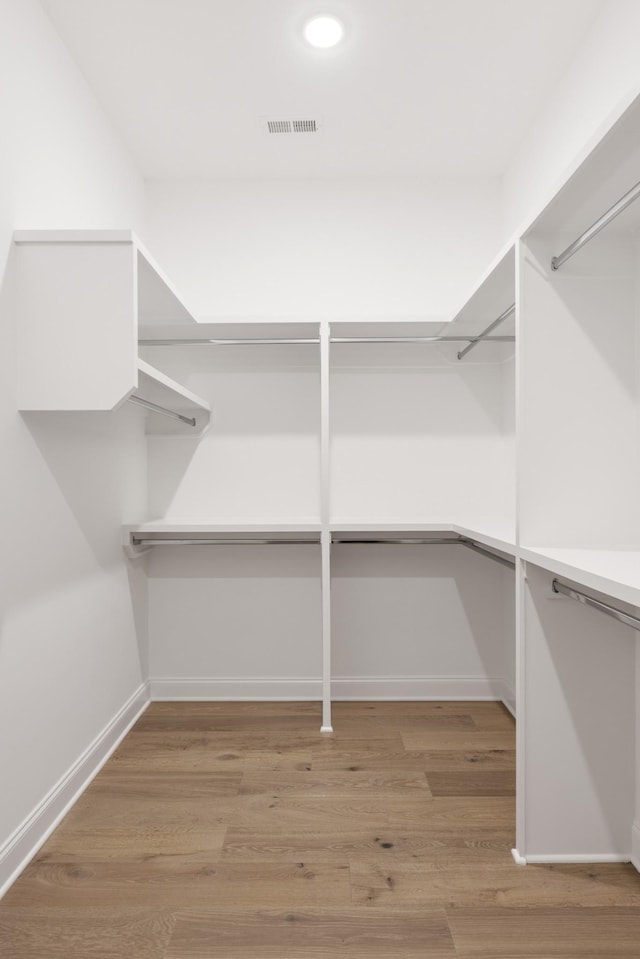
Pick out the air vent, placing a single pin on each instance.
(279, 126)
(304, 126)
(292, 126)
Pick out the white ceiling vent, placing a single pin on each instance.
(292, 126)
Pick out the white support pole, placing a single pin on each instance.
(325, 479)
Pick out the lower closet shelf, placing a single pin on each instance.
(615, 572)
(147, 535)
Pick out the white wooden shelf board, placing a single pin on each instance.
(496, 534)
(229, 531)
(615, 572)
(157, 387)
(387, 328)
(161, 526)
(491, 296)
(608, 168)
(499, 536)
(74, 236)
(232, 331)
(158, 300)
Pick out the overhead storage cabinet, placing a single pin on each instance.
(81, 298)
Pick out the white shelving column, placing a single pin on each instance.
(325, 514)
(579, 469)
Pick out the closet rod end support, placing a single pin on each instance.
(555, 266)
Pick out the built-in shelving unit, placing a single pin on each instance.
(579, 512)
(83, 297)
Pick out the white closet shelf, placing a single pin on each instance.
(492, 294)
(160, 532)
(497, 536)
(605, 170)
(230, 526)
(158, 388)
(615, 572)
(384, 329)
(223, 333)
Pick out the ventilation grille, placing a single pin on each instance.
(292, 126)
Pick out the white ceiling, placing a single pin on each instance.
(420, 87)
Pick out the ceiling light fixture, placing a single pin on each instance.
(323, 32)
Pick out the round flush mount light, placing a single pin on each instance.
(323, 32)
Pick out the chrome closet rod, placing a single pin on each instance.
(471, 544)
(213, 342)
(605, 219)
(414, 339)
(146, 541)
(613, 611)
(139, 401)
(484, 335)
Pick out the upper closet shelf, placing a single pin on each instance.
(81, 298)
(239, 333)
(488, 312)
(173, 407)
(603, 174)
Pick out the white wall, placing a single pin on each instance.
(71, 641)
(352, 248)
(605, 72)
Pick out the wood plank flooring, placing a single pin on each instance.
(238, 831)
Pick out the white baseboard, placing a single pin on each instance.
(343, 688)
(586, 857)
(21, 847)
(635, 845)
(233, 690)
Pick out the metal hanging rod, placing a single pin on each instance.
(485, 333)
(176, 341)
(139, 401)
(148, 541)
(414, 339)
(471, 544)
(593, 230)
(613, 611)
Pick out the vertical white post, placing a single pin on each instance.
(325, 513)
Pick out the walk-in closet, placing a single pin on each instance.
(321, 571)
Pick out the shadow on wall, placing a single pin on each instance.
(431, 612)
(442, 400)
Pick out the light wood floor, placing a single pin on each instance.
(238, 831)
